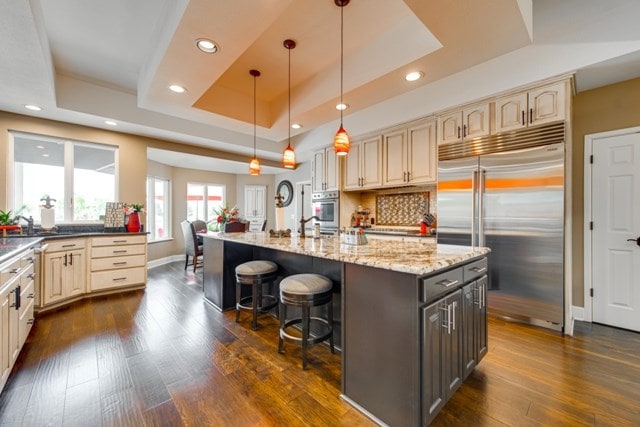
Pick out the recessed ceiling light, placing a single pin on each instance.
(40, 147)
(33, 107)
(110, 123)
(413, 76)
(45, 155)
(342, 106)
(296, 126)
(177, 89)
(207, 46)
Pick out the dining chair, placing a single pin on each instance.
(191, 246)
(201, 227)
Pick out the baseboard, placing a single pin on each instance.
(163, 261)
(577, 313)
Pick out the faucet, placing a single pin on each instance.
(303, 222)
(29, 224)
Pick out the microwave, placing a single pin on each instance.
(326, 207)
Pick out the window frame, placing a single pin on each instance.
(205, 195)
(151, 207)
(68, 168)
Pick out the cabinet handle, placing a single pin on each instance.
(453, 314)
(479, 269)
(17, 298)
(14, 271)
(123, 251)
(464, 131)
(458, 132)
(31, 296)
(530, 115)
(69, 245)
(120, 263)
(65, 260)
(120, 241)
(408, 176)
(447, 323)
(523, 123)
(119, 279)
(31, 276)
(70, 259)
(31, 321)
(447, 282)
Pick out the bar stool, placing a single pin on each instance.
(305, 291)
(255, 274)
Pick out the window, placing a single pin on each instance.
(82, 173)
(158, 208)
(203, 199)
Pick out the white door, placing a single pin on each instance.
(255, 202)
(616, 228)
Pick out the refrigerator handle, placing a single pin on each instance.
(481, 191)
(474, 199)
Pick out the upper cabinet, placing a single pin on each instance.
(409, 155)
(533, 107)
(470, 122)
(363, 165)
(325, 171)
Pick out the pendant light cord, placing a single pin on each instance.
(289, 84)
(341, 59)
(254, 116)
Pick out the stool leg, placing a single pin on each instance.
(282, 310)
(305, 333)
(330, 319)
(254, 304)
(238, 296)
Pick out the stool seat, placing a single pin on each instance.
(259, 267)
(305, 284)
(255, 274)
(306, 291)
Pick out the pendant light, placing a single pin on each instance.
(289, 156)
(254, 166)
(341, 141)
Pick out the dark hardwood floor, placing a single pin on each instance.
(164, 357)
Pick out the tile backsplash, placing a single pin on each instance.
(401, 209)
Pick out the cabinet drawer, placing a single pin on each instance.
(113, 263)
(26, 321)
(474, 270)
(9, 270)
(441, 284)
(110, 251)
(110, 279)
(26, 297)
(29, 257)
(118, 240)
(65, 245)
(27, 275)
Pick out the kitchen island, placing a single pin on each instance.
(412, 315)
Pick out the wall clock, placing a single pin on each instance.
(285, 189)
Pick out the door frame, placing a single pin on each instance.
(589, 140)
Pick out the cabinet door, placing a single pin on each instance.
(547, 104)
(75, 274)
(332, 177)
(433, 389)
(6, 361)
(352, 168)
(475, 121)
(394, 148)
(450, 128)
(371, 162)
(421, 153)
(511, 112)
(468, 328)
(452, 344)
(480, 321)
(53, 277)
(317, 169)
(255, 200)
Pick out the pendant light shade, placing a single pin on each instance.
(289, 156)
(254, 165)
(341, 142)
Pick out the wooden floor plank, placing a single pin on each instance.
(163, 356)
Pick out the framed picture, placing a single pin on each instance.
(114, 216)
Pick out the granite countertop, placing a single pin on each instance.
(418, 258)
(10, 247)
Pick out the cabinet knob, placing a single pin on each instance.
(31, 321)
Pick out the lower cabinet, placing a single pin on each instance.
(64, 270)
(474, 318)
(118, 261)
(441, 353)
(16, 308)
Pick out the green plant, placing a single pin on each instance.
(8, 218)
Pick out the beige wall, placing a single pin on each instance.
(607, 108)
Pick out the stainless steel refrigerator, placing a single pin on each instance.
(512, 202)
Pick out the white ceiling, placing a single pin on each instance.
(87, 61)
